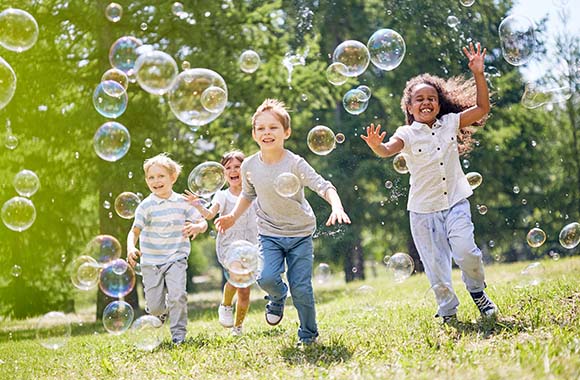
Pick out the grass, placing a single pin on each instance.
(372, 330)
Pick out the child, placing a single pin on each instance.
(439, 114)
(285, 225)
(244, 229)
(159, 220)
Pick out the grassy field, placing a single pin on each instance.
(372, 330)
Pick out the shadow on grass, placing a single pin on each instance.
(488, 327)
(319, 354)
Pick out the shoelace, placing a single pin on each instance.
(483, 303)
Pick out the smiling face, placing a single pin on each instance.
(160, 181)
(269, 132)
(424, 104)
(233, 172)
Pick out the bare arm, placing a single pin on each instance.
(374, 140)
(132, 252)
(482, 106)
(191, 229)
(195, 201)
(337, 214)
(224, 222)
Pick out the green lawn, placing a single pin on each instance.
(372, 330)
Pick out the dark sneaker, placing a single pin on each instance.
(448, 319)
(303, 343)
(178, 341)
(274, 312)
(486, 306)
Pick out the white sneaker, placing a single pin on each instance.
(226, 315)
(237, 331)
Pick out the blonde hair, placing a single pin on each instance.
(164, 161)
(278, 108)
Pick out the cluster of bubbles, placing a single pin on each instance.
(321, 140)
(400, 266)
(287, 184)
(356, 100)
(206, 179)
(569, 236)
(18, 213)
(243, 263)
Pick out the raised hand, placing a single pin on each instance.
(476, 58)
(191, 198)
(374, 136)
(224, 222)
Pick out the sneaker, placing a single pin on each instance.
(274, 313)
(303, 343)
(448, 319)
(486, 306)
(178, 341)
(226, 315)
(162, 318)
(237, 331)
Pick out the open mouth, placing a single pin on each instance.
(234, 178)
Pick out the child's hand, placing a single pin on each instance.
(476, 58)
(337, 216)
(373, 137)
(133, 255)
(192, 199)
(224, 222)
(190, 230)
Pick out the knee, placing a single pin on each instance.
(302, 293)
(470, 258)
(175, 299)
(268, 282)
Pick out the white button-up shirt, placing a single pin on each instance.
(437, 180)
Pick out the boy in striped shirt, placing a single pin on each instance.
(163, 248)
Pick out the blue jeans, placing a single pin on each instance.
(298, 252)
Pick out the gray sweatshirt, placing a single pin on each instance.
(278, 215)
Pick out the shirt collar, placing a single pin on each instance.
(172, 198)
(417, 125)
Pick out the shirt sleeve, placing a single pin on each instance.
(402, 134)
(248, 190)
(451, 120)
(140, 217)
(311, 179)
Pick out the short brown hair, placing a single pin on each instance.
(233, 155)
(278, 108)
(164, 161)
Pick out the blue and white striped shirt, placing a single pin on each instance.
(161, 222)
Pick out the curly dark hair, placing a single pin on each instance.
(455, 95)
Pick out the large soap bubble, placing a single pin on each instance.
(146, 333)
(516, 34)
(18, 214)
(18, 30)
(336, 73)
(126, 203)
(355, 101)
(186, 93)
(287, 185)
(26, 183)
(321, 140)
(7, 83)
(387, 49)
(84, 272)
(536, 96)
(401, 266)
(206, 179)
(53, 330)
(117, 279)
(104, 248)
(110, 99)
(112, 141)
(117, 317)
(123, 53)
(570, 235)
(249, 61)
(155, 71)
(243, 263)
(354, 55)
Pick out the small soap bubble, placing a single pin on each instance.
(400, 164)
(16, 270)
(475, 179)
(340, 138)
(287, 185)
(516, 189)
(117, 278)
(10, 141)
(465, 163)
(386, 49)
(354, 55)
(536, 237)
(26, 183)
(452, 21)
(388, 184)
(114, 12)
(118, 76)
(355, 101)
(570, 235)
(103, 248)
(322, 273)
(155, 71)
(214, 99)
(111, 141)
(84, 272)
(336, 73)
(7, 84)
(516, 33)
(117, 317)
(467, 3)
(110, 99)
(366, 90)
(146, 333)
(123, 53)
(18, 30)
(126, 203)
(401, 266)
(18, 214)
(243, 263)
(249, 61)
(482, 209)
(148, 143)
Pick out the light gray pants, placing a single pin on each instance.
(440, 236)
(165, 293)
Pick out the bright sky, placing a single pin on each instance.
(536, 10)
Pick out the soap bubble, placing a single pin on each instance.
(354, 55)
(322, 273)
(336, 73)
(16, 270)
(355, 101)
(443, 292)
(104, 248)
(155, 71)
(214, 99)
(532, 274)
(117, 317)
(287, 185)
(243, 263)
(84, 272)
(340, 138)
(10, 141)
(206, 179)
(321, 140)
(536, 237)
(26, 183)
(387, 49)
(249, 61)
(53, 330)
(110, 99)
(570, 235)
(400, 164)
(126, 203)
(118, 76)
(482, 209)
(18, 30)
(114, 12)
(366, 90)
(536, 96)
(18, 214)
(117, 279)
(467, 3)
(177, 10)
(7, 83)
(186, 92)
(474, 179)
(123, 53)
(146, 333)
(112, 141)
(452, 21)
(517, 39)
(401, 266)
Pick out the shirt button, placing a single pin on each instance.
(441, 163)
(433, 133)
(445, 193)
(438, 148)
(443, 178)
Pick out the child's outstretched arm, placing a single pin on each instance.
(374, 140)
(337, 214)
(224, 222)
(195, 201)
(476, 65)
